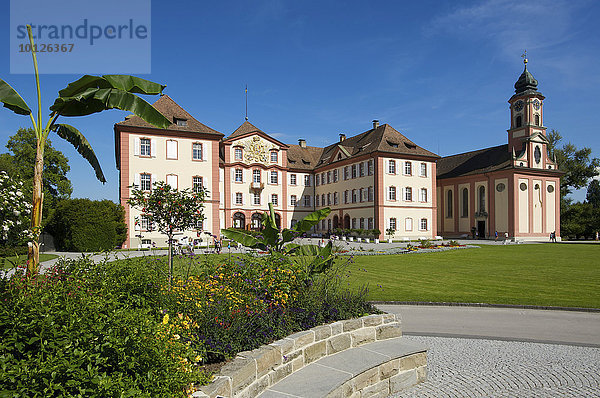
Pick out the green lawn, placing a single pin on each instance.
(7, 262)
(545, 274)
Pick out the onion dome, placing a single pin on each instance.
(526, 82)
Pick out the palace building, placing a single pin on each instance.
(377, 179)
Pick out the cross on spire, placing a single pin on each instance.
(524, 56)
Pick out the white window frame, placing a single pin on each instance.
(238, 153)
(335, 175)
(293, 179)
(335, 198)
(407, 168)
(256, 198)
(146, 178)
(307, 180)
(172, 149)
(239, 198)
(423, 172)
(425, 226)
(256, 175)
(393, 225)
(293, 200)
(145, 147)
(391, 167)
(274, 157)
(274, 177)
(238, 173)
(145, 223)
(408, 194)
(370, 168)
(424, 195)
(197, 153)
(195, 184)
(392, 193)
(306, 200)
(275, 199)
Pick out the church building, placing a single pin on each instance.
(512, 188)
(374, 180)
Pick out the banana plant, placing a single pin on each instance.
(273, 241)
(89, 94)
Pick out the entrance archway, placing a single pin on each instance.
(239, 220)
(347, 221)
(256, 222)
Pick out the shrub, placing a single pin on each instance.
(84, 225)
(92, 330)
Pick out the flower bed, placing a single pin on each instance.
(117, 327)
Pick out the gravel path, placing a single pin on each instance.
(490, 368)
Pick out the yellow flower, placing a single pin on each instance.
(165, 319)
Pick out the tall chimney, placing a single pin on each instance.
(375, 124)
(342, 137)
(302, 142)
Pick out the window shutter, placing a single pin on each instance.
(153, 148)
(153, 179)
(233, 198)
(137, 226)
(136, 146)
(204, 150)
(279, 178)
(136, 180)
(232, 175)
(403, 194)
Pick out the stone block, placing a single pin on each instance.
(338, 343)
(388, 331)
(343, 391)
(285, 345)
(267, 358)
(352, 324)
(421, 374)
(302, 339)
(242, 372)
(336, 328)
(413, 361)
(221, 385)
(281, 372)
(256, 388)
(199, 394)
(291, 356)
(315, 351)
(389, 318)
(402, 381)
(377, 390)
(322, 332)
(373, 320)
(365, 379)
(297, 363)
(362, 336)
(389, 369)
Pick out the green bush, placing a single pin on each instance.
(11, 251)
(84, 225)
(90, 330)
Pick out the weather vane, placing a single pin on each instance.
(524, 56)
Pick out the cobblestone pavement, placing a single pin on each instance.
(491, 368)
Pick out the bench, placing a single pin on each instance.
(341, 359)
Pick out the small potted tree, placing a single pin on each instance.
(390, 233)
(375, 232)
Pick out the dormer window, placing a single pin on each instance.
(180, 122)
(393, 144)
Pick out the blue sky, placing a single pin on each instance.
(439, 72)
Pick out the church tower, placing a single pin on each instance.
(527, 135)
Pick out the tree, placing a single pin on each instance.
(593, 194)
(169, 210)
(20, 162)
(85, 225)
(576, 163)
(89, 94)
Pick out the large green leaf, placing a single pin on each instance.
(244, 238)
(82, 145)
(12, 100)
(130, 84)
(270, 230)
(323, 260)
(95, 100)
(311, 220)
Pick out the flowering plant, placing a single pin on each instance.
(14, 210)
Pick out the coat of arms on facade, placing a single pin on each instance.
(256, 151)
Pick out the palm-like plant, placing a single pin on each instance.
(89, 94)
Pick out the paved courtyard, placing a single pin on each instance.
(459, 367)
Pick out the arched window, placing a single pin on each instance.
(239, 221)
(336, 222)
(465, 203)
(519, 121)
(481, 198)
(537, 120)
(449, 205)
(347, 221)
(256, 221)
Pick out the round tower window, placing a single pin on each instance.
(500, 187)
(537, 186)
(523, 186)
(550, 188)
